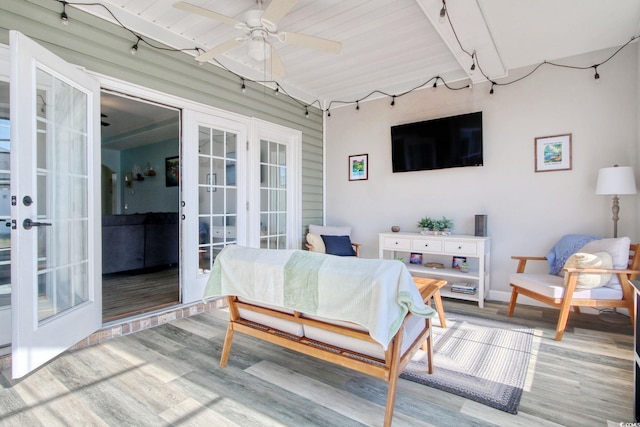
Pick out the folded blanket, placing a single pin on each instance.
(564, 248)
(376, 294)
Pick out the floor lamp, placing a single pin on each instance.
(615, 181)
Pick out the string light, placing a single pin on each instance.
(134, 48)
(306, 111)
(443, 12)
(444, 16)
(393, 100)
(473, 63)
(64, 18)
(243, 88)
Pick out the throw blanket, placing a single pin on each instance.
(376, 294)
(566, 246)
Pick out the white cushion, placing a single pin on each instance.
(413, 327)
(316, 242)
(585, 260)
(617, 248)
(553, 286)
(287, 326)
(329, 231)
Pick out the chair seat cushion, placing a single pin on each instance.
(553, 286)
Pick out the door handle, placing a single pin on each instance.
(27, 224)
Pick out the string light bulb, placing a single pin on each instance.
(473, 63)
(134, 48)
(435, 84)
(443, 12)
(393, 100)
(277, 90)
(306, 112)
(357, 105)
(328, 113)
(492, 85)
(243, 88)
(596, 75)
(64, 18)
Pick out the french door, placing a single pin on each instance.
(214, 208)
(247, 192)
(56, 289)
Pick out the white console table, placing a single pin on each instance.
(442, 249)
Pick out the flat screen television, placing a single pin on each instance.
(447, 142)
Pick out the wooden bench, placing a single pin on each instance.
(387, 365)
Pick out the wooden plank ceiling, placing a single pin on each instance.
(392, 46)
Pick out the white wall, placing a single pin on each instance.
(527, 211)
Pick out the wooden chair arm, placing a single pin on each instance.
(522, 261)
(600, 271)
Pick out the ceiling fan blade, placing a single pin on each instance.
(311, 42)
(218, 50)
(277, 67)
(277, 10)
(188, 7)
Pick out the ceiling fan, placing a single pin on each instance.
(259, 32)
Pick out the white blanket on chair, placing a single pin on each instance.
(376, 294)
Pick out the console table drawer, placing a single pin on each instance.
(462, 248)
(397, 244)
(429, 245)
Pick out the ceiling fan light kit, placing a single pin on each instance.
(259, 29)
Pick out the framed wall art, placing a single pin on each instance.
(358, 167)
(172, 171)
(553, 153)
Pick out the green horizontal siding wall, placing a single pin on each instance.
(103, 47)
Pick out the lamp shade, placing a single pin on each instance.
(616, 180)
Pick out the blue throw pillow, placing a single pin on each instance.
(338, 245)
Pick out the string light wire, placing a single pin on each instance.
(279, 89)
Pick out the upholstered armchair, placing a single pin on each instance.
(596, 275)
(331, 240)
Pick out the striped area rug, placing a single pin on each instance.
(479, 359)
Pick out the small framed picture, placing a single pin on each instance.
(553, 153)
(358, 167)
(172, 171)
(457, 260)
(415, 258)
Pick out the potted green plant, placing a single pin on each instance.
(464, 267)
(426, 224)
(443, 225)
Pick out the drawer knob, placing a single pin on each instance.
(459, 247)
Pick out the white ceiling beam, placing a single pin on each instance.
(472, 32)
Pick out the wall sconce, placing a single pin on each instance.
(128, 179)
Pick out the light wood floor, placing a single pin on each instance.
(131, 293)
(169, 375)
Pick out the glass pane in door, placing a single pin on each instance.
(61, 196)
(5, 198)
(273, 195)
(217, 193)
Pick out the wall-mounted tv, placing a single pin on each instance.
(447, 142)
